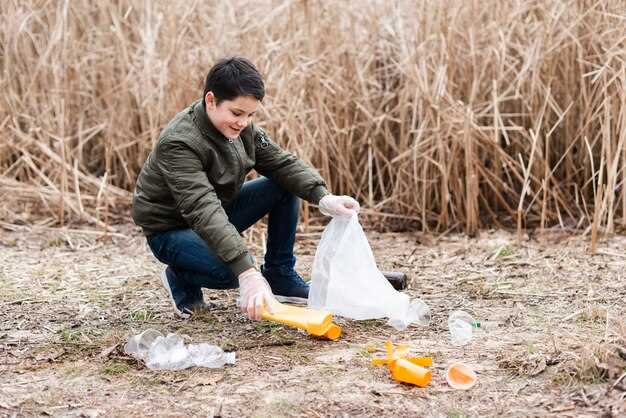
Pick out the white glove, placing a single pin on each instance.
(255, 293)
(343, 206)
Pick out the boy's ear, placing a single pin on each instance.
(209, 100)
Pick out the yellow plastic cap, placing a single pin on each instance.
(461, 376)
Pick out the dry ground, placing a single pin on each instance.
(552, 341)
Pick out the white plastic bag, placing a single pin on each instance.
(346, 281)
(171, 353)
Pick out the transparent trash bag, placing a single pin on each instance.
(346, 281)
(170, 352)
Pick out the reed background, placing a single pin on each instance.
(435, 115)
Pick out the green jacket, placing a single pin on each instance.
(194, 170)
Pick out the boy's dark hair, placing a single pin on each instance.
(233, 77)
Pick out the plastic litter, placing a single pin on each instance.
(406, 369)
(314, 322)
(346, 281)
(170, 352)
(139, 345)
(461, 325)
(461, 376)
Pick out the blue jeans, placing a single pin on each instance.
(198, 266)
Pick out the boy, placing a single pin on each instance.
(192, 203)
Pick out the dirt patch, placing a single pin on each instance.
(551, 341)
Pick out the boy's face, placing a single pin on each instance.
(231, 116)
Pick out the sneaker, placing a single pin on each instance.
(184, 300)
(286, 284)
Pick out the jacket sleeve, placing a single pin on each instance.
(284, 168)
(199, 205)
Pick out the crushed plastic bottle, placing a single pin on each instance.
(170, 352)
(461, 326)
(139, 345)
(211, 356)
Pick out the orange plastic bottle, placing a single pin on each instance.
(314, 322)
(406, 369)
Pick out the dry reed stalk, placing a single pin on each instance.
(471, 194)
(597, 218)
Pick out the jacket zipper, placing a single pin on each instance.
(232, 142)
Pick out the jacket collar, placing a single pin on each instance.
(203, 122)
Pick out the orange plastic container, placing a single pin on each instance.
(314, 322)
(406, 369)
(461, 376)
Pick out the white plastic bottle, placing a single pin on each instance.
(461, 326)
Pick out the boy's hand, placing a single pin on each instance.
(255, 294)
(343, 206)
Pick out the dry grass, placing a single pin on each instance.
(551, 341)
(459, 114)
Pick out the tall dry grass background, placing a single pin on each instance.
(436, 115)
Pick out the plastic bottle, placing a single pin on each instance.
(139, 345)
(211, 356)
(313, 321)
(170, 352)
(461, 326)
